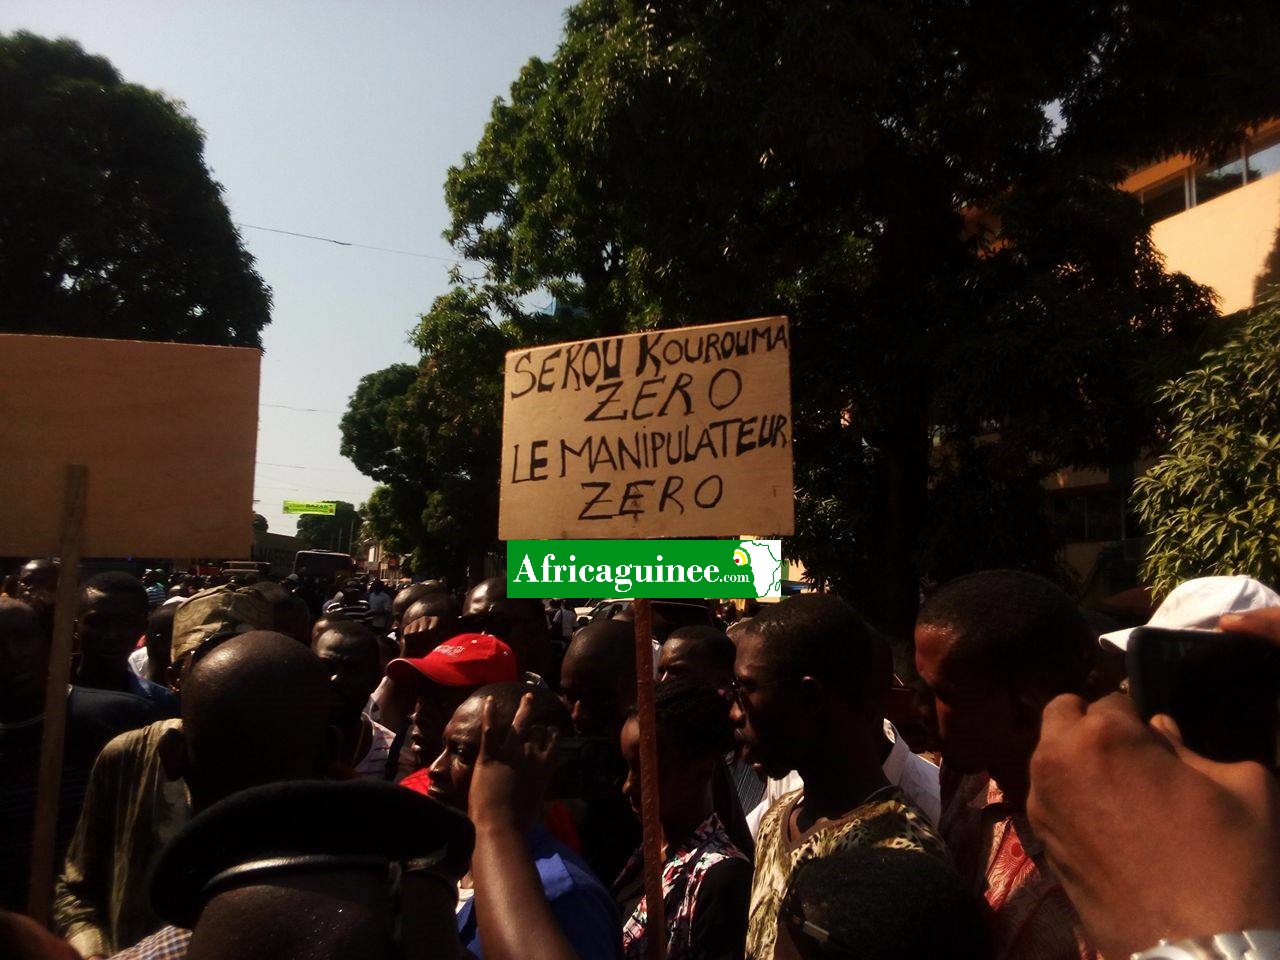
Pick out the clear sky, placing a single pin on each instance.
(332, 118)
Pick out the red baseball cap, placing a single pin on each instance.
(467, 660)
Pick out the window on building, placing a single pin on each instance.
(1088, 516)
(1165, 199)
(1194, 186)
(1263, 160)
(1215, 180)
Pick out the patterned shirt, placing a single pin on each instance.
(167, 943)
(887, 819)
(706, 887)
(1003, 860)
(917, 777)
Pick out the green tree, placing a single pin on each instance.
(958, 272)
(1212, 501)
(110, 222)
(372, 424)
(430, 435)
(384, 520)
(337, 532)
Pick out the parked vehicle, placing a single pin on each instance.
(667, 614)
(323, 565)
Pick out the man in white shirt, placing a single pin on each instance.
(910, 772)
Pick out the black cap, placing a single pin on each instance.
(301, 823)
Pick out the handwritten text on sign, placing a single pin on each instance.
(673, 432)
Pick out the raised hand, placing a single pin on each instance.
(1150, 839)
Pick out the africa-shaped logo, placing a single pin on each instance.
(765, 559)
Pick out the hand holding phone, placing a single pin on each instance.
(1150, 839)
(1222, 689)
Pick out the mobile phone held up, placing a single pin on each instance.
(1223, 689)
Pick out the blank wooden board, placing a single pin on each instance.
(167, 430)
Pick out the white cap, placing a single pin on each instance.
(1197, 605)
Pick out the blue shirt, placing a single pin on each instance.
(582, 906)
(166, 704)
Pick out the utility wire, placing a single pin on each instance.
(348, 243)
(285, 406)
(301, 466)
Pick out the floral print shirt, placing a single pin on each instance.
(706, 886)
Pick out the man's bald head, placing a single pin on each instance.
(431, 605)
(255, 710)
(427, 623)
(406, 597)
(335, 913)
(38, 578)
(546, 710)
(598, 677)
(484, 594)
(607, 642)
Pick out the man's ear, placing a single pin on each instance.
(172, 750)
(814, 692)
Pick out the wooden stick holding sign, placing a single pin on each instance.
(48, 786)
(655, 922)
(682, 432)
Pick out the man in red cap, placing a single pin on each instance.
(444, 678)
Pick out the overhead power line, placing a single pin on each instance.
(349, 243)
(285, 406)
(301, 466)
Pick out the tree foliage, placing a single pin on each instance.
(1212, 501)
(884, 173)
(110, 222)
(337, 532)
(430, 434)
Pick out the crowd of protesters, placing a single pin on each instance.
(253, 772)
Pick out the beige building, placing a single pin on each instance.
(1219, 223)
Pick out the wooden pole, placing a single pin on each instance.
(656, 926)
(48, 786)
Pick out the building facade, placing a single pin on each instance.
(1219, 223)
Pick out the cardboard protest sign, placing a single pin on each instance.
(168, 432)
(680, 432)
